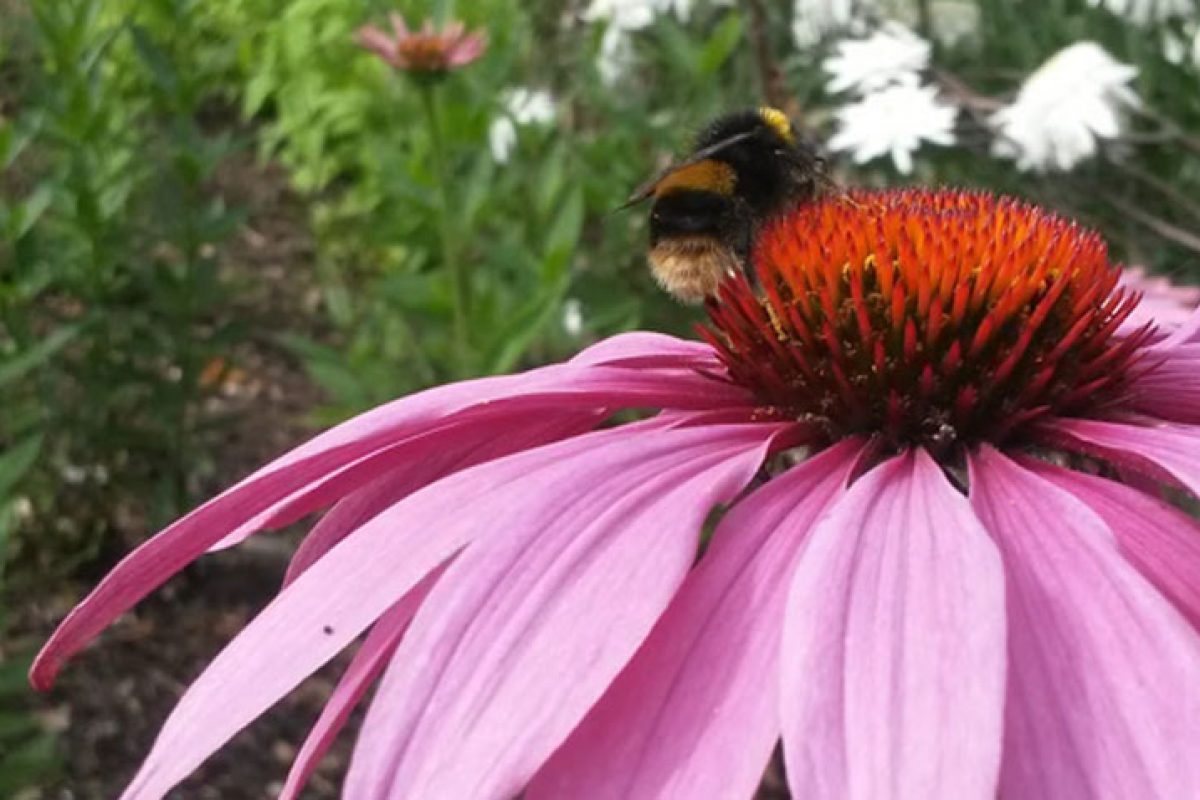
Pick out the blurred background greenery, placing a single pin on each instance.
(224, 224)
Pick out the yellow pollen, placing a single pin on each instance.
(778, 122)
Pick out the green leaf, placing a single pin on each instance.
(37, 355)
(16, 724)
(159, 64)
(16, 461)
(516, 337)
(721, 45)
(8, 140)
(26, 214)
(13, 675)
(27, 763)
(550, 181)
(329, 368)
(563, 236)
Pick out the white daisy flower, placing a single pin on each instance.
(615, 56)
(572, 317)
(521, 107)
(814, 19)
(1184, 46)
(890, 55)
(894, 122)
(622, 17)
(634, 15)
(1062, 110)
(502, 138)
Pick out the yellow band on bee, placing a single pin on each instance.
(778, 122)
(707, 175)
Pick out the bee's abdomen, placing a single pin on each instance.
(690, 213)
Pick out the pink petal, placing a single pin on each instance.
(399, 29)
(893, 645)
(293, 486)
(444, 455)
(640, 348)
(466, 50)
(377, 42)
(417, 460)
(333, 601)
(1185, 332)
(1169, 390)
(1103, 697)
(671, 382)
(1169, 453)
(1162, 542)
(162, 556)
(1163, 303)
(532, 623)
(696, 713)
(368, 663)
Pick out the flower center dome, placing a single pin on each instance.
(932, 317)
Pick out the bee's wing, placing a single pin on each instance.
(647, 189)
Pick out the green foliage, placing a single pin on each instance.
(28, 753)
(110, 297)
(530, 232)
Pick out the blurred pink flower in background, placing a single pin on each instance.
(930, 580)
(425, 51)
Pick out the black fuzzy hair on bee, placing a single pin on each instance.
(746, 167)
(773, 167)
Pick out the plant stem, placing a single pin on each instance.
(460, 278)
(769, 72)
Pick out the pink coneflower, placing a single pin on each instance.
(1167, 304)
(930, 580)
(425, 51)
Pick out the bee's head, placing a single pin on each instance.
(767, 158)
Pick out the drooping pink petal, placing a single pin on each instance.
(1161, 541)
(465, 439)
(593, 379)
(162, 556)
(308, 477)
(642, 348)
(333, 601)
(530, 625)
(1103, 697)
(441, 456)
(1169, 453)
(366, 666)
(893, 645)
(1169, 389)
(696, 712)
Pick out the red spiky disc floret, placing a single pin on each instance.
(930, 317)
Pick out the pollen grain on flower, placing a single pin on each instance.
(932, 317)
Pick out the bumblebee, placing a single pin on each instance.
(745, 168)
